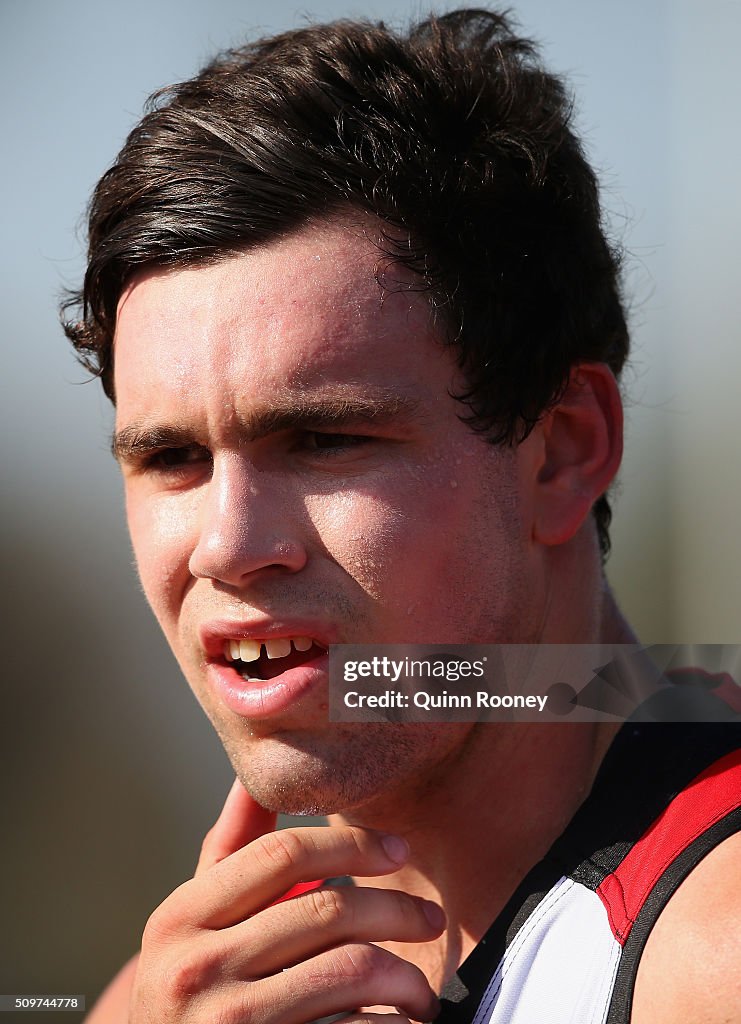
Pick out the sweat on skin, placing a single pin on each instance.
(268, 499)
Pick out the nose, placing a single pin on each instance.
(246, 525)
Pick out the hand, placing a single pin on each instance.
(220, 948)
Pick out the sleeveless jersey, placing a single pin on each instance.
(566, 948)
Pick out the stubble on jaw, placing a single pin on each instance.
(359, 769)
(429, 550)
(356, 769)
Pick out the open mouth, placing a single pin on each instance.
(257, 660)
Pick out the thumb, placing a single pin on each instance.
(241, 820)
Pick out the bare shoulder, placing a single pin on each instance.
(690, 971)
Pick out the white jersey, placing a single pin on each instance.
(566, 948)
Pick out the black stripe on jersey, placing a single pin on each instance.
(646, 766)
(622, 997)
(650, 765)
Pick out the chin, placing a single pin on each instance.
(368, 766)
(290, 780)
(301, 773)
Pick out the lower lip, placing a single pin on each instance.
(266, 698)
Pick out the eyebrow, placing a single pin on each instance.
(136, 440)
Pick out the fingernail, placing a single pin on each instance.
(434, 914)
(397, 849)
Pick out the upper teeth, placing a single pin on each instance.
(249, 650)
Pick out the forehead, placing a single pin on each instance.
(316, 306)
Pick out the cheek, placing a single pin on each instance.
(363, 533)
(440, 548)
(160, 536)
(414, 530)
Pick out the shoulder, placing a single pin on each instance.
(690, 970)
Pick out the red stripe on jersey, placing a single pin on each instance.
(708, 798)
(298, 889)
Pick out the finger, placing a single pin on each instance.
(340, 980)
(241, 821)
(375, 1018)
(255, 876)
(287, 934)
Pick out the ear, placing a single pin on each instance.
(580, 448)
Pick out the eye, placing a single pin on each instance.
(168, 460)
(319, 441)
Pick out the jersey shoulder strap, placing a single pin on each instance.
(568, 943)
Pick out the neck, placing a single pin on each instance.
(518, 785)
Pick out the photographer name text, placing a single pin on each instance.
(426, 701)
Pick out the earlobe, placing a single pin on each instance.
(580, 452)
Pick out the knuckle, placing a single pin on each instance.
(411, 908)
(242, 1010)
(358, 962)
(357, 838)
(402, 903)
(187, 976)
(249, 1008)
(159, 929)
(280, 852)
(327, 906)
(184, 978)
(364, 968)
(168, 919)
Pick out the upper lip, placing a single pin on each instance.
(212, 635)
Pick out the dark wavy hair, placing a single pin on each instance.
(453, 134)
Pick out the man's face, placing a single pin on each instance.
(296, 468)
